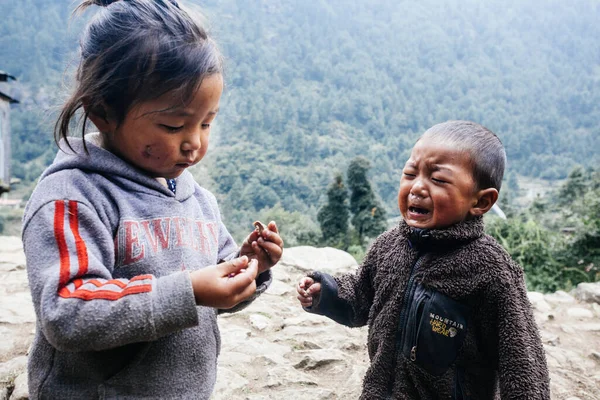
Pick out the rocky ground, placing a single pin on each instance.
(274, 350)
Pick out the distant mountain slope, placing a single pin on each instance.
(313, 84)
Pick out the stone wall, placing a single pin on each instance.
(274, 350)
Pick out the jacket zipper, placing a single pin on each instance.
(410, 289)
(402, 323)
(410, 292)
(419, 315)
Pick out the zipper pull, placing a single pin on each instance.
(413, 353)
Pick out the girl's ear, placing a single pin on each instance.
(484, 200)
(100, 116)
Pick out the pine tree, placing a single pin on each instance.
(368, 215)
(333, 217)
(574, 187)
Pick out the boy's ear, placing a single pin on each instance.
(100, 116)
(485, 199)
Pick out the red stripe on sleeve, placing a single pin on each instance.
(104, 294)
(87, 294)
(59, 235)
(82, 256)
(83, 261)
(98, 283)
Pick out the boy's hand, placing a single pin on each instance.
(307, 290)
(226, 284)
(266, 247)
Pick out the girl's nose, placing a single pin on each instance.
(192, 141)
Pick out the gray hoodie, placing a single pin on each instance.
(109, 250)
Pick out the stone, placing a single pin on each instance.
(538, 302)
(259, 322)
(21, 392)
(10, 369)
(287, 375)
(274, 350)
(589, 327)
(542, 306)
(535, 296)
(588, 292)
(550, 338)
(278, 288)
(580, 313)
(559, 296)
(315, 359)
(325, 259)
(567, 329)
(17, 309)
(12, 257)
(229, 383)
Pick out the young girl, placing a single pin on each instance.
(127, 256)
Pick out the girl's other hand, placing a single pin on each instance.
(307, 290)
(266, 247)
(226, 284)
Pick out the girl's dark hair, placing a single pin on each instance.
(488, 158)
(134, 51)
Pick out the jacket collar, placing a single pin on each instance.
(432, 239)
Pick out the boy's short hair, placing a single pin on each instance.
(488, 157)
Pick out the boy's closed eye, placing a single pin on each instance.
(409, 172)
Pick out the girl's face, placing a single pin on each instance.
(164, 137)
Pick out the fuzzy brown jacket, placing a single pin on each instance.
(448, 317)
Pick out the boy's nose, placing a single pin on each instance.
(418, 189)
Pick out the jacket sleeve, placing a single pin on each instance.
(522, 367)
(80, 306)
(347, 298)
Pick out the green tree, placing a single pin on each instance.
(583, 252)
(368, 215)
(574, 187)
(296, 228)
(333, 217)
(532, 247)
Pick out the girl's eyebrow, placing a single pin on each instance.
(179, 112)
(184, 112)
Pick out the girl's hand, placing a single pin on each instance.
(226, 284)
(307, 290)
(266, 247)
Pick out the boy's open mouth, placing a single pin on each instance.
(418, 210)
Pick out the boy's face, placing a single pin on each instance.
(437, 188)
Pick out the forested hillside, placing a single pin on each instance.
(311, 85)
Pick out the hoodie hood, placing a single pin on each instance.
(101, 161)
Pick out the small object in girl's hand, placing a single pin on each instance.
(231, 275)
(259, 226)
